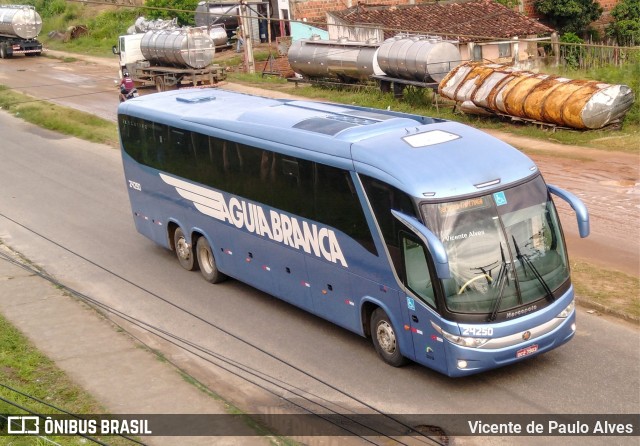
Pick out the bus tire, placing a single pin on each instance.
(3, 51)
(184, 251)
(385, 339)
(207, 262)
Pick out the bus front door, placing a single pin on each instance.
(428, 344)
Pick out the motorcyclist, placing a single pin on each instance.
(126, 86)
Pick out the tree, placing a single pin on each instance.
(184, 10)
(625, 27)
(569, 15)
(509, 3)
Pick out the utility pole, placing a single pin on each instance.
(249, 63)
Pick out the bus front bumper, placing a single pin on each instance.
(463, 361)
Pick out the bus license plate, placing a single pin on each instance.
(527, 351)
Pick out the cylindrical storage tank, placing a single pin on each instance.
(581, 104)
(514, 102)
(185, 47)
(482, 96)
(218, 13)
(20, 21)
(418, 58)
(341, 59)
(533, 104)
(218, 35)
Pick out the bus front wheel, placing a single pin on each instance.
(207, 262)
(385, 339)
(184, 251)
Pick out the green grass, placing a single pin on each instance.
(612, 289)
(58, 118)
(25, 369)
(421, 102)
(105, 27)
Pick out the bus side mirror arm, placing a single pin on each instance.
(433, 243)
(582, 214)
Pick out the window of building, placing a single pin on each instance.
(504, 50)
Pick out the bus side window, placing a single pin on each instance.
(417, 271)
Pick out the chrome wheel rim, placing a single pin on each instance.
(386, 337)
(206, 260)
(182, 247)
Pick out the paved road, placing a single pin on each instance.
(64, 205)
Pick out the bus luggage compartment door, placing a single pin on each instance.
(332, 294)
(291, 278)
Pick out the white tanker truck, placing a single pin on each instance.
(19, 27)
(169, 58)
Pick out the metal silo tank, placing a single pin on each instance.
(20, 21)
(218, 35)
(186, 47)
(418, 58)
(343, 59)
(218, 13)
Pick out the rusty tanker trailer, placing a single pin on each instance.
(19, 27)
(541, 98)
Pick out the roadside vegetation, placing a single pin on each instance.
(58, 118)
(24, 369)
(608, 289)
(105, 23)
(422, 101)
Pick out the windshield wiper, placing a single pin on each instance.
(524, 260)
(501, 280)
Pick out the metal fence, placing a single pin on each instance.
(587, 56)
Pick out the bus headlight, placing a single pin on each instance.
(567, 311)
(465, 341)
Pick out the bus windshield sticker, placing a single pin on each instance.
(276, 226)
(500, 198)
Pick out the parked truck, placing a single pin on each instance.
(19, 27)
(169, 58)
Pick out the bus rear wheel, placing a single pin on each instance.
(207, 262)
(385, 340)
(184, 251)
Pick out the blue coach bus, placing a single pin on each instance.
(440, 243)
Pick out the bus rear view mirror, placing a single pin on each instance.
(582, 214)
(433, 243)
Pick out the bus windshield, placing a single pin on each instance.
(505, 249)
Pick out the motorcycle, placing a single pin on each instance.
(126, 95)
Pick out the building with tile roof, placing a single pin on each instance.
(484, 29)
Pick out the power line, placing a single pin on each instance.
(178, 341)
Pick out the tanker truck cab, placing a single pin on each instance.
(128, 50)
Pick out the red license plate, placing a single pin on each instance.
(527, 351)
